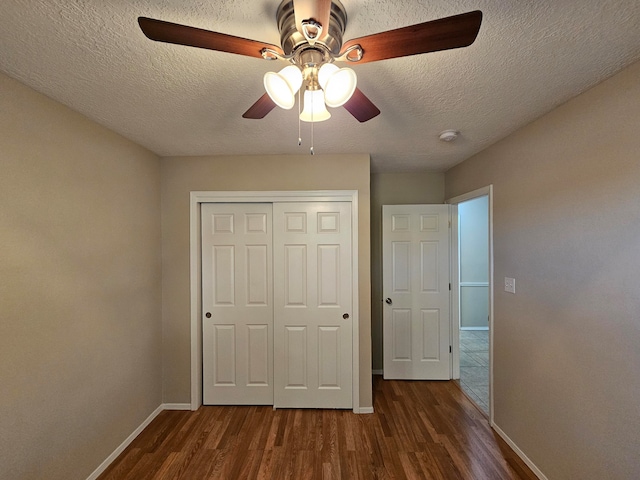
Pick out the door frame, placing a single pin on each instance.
(199, 197)
(480, 192)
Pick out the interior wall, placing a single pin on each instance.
(393, 189)
(80, 330)
(473, 230)
(567, 227)
(181, 175)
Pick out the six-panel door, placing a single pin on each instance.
(237, 300)
(416, 321)
(312, 302)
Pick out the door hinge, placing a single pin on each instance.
(450, 349)
(449, 287)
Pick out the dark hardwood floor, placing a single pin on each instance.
(420, 430)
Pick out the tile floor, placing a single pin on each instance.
(474, 366)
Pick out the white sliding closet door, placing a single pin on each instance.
(277, 304)
(237, 324)
(312, 305)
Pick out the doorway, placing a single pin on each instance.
(474, 295)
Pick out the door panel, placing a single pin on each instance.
(257, 261)
(329, 352)
(237, 292)
(416, 323)
(429, 258)
(224, 355)
(312, 291)
(258, 355)
(430, 334)
(295, 275)
(401, 260)
(328, 275)
(294, 375)
(401, 335)
(223, 275)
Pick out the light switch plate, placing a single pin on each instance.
(509, 285)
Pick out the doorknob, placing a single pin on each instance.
(208, 314)
(345, 316)
(388, 301)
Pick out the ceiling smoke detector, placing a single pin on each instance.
(449, 135)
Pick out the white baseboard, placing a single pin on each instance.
(164, 406)
(377, 372)
(364, 410)
(519, 452)
(103, 466)
(475, 328)
(176, 406)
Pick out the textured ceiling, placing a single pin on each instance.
(529, 57)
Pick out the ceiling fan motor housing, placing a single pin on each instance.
(291, 39)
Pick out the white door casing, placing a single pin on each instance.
(313, 305)
(416, 289)
(196, 200)
(237, 324)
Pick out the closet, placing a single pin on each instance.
(277, 304)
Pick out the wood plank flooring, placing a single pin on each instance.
(420, 430)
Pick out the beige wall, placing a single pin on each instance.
(304, 172)
(567, 227)
(80, 331)
(393, 189)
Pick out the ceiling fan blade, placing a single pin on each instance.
(443, 34)
(318, 10)
(261, 108)
(168, 32)
(361, 107)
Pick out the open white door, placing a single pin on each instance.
(312, 305)
(416, 286)
(237, 328)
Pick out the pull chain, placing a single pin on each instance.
(312, 109)
(299, 111)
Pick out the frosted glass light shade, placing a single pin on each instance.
(325, 72)
(338, 84)
(314, 107)
(282, 86)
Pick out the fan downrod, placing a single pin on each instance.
(292, 39)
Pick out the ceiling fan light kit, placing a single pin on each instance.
(312, 49)
(335, 85)
(311, 34)
(315, 109)
(283, 86)
(338, 84)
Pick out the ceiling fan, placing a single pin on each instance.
(311, 41)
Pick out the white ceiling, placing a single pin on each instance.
(530, 56)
